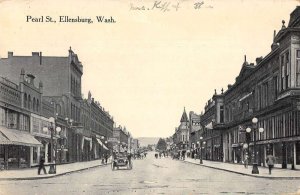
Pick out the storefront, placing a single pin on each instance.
(15, 148)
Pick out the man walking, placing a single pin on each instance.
(270, 161)
(246, 160)
(42, 166)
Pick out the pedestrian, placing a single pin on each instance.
(246, 160)
(42, 166)
(270, 161)
(106, 158)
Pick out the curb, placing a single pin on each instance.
(246, 174)
(51, 176)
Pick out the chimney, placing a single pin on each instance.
(31, 78)
(35, 54)
(41, 86)
(229, 86)
(259, 59)
(41, 58)
(10, 54)
(274, 44)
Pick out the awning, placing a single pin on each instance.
(245, 96)
(101, 144)
(209, 126)
(17, 137)
(4, 140)
(105, 147)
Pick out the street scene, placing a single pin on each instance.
(152, 176)
(160, 97)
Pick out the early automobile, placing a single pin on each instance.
(121, 160)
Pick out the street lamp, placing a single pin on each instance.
(201, 138)
(248, 130)
(53, 132)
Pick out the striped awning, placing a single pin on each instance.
(101, 144)
(17, 137)
(4, 140)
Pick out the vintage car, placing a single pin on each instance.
(121, 160)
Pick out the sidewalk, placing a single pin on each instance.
(240, 169)
(31, 173)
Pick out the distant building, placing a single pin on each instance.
(194, 127)
(181, 136)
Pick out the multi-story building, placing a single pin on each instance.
(23, 114)
(61, 77)
(195, 127)
(135, 145)
(181, 136)
(268, 91)
(121, 135)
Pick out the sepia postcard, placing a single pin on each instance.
(175, 97)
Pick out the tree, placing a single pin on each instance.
(161, 144)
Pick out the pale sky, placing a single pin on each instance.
(149, 64)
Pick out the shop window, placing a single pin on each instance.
(278, 152)
(35, 155)
(298, 153)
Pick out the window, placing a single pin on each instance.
(33, 105)
(37, 105)
(2, 117)
(58, 109)
(298, 69)
(275, 85)
(287, 69)
(25, 100)
(282, 73)
(12, 119)
(221, 114)
(29, 102)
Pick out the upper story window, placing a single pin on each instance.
(25, 100)
(29, 102)
(222, 114)
(298, 68)
(34, 104)
(285, 71)
(12, 119)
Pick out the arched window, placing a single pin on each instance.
(25, 100)
(37, 105)
(33, 105)
(29, 102)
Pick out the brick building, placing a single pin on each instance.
(23, 114)
(61, 77)
(269, 91)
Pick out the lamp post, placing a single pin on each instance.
(53, 132)
(201, 147)
(201, 159)
(70, 123)
(248, 130)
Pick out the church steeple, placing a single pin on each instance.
(184, 117)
